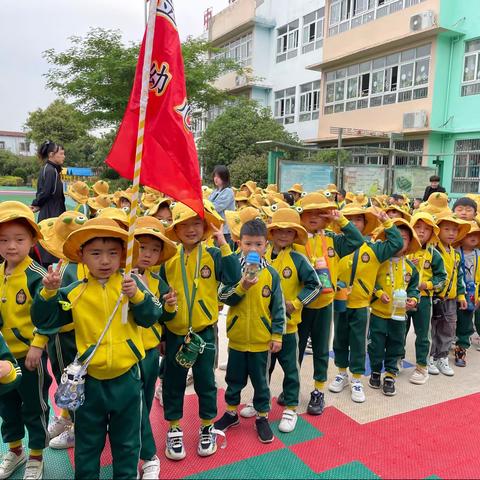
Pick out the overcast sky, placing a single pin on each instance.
(29, 27)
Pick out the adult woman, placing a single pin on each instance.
(222, 197)
(49, 201)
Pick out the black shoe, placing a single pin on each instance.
(228, 420)
(281, 400)
(389, 386)
(317, 403)
(375, 380)
(264, 432)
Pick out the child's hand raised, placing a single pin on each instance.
(218, 235)
(170, 298)
(129, 287)
(246, 282)
(53, 280)
(380, 214)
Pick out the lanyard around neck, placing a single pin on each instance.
(403, 274)
(190, 300)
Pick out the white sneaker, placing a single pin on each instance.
(159, 393)
(33, 470)
(419, 376)
(151, 469)
(444, 367)
(65, 440)
(207, 440)
(288, 421)
(339, 383)
(10, 463)
(248, 411)
(58, 425)
(432, 367)
(174, 449)
(358, 395)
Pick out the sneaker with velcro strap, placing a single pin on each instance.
(339, 382)
(174, 445)
(10, 462)
(419, 376)
(358, 395)
(65, 440)
(248, 411)
(289, 421)
(375, 380)
(207, 442)
(151, 469)
(57, 425)
(389, 386)
(33, 470)
(264, 432)
(432, 367)
(229, 419)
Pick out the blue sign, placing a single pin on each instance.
(313, 176)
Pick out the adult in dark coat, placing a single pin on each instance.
(433, 188)
(49, 201)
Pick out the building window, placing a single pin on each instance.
(368, 156)
(313, 30)
(285, 106)
(347, 14)
(471, 68)
(309, 101)
(399, 77)
(287, 41)
(239, 50)
(466, 170)
(2, 145)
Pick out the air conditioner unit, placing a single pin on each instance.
(421, 21)
(415, 119)
(240, 80)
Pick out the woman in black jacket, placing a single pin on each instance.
(50, 200)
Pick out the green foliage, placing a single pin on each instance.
(249, 167)
(327, 156)
(12, 165)
(97, 72)
(235, 132)
(10, 181)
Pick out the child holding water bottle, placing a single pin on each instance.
(396, 293)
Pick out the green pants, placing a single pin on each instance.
(288, 359)
(175, 378)
(27, 407)
(316, 325)
(464, 327)
(350, 338)
(149, 370)
(386, 341)
(113, 406)
(244, 365)
(421, 323)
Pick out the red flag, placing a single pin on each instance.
(169, 162)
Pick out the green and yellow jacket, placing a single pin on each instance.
(366, 261)
(298, 281)
(88, 304)
(17, 291)
(431, 270)
(451, 260)
(207, 267)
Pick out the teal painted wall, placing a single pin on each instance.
(453, 117)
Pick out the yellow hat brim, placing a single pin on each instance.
(301, 237)
(169, 249)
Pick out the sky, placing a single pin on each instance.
(29, 27)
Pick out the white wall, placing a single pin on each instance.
(12, 144)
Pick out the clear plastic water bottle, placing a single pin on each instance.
(399, 305)
(252, 264)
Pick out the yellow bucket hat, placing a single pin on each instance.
(124, 194)
(316, 201)
(349, 197)
(429, 220)
(152, 191)
(153, 226)
(361, 199)
(436, 205)
(117, 214)
(241, 196)
(157, 204)
(96, 228)
(101, 187)
(271, 209)
(474, 229)
(11, 210)
(272, 188)
(56, 231)
(206, 191)
(288, 218)
(251, 186)
(371, 221)
(182, 213)
(415, 244)
(405, 214)
(148, 200)
(296, 187)
(235, 219)
(99, 202)
(256, 201)
(79, 191)
(463, 226)
(332, 188)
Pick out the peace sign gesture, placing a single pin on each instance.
(218, 235)
(53, 279)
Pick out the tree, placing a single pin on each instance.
(59, 122)
(235, 132)
(97, 74)
(249, 167)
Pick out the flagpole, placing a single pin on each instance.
(147, 61)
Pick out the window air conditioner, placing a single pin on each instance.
(415, 119)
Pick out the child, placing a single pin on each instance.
(20, 280)
(255, 325)
(465, 208)
(358, 271)
(444, 318)
(470, 273)
(324, 250)
(113, 399)
(432, 276)
(396, 292)
(98, 203)
(155, 249)
(300, 286)
(161, 210)
(194, 273)
(79, 192)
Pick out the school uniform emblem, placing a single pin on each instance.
(21, 297)
(427, 264)
(205, 272)
(365, 257)
(287, 272)
(266, 292)
(331, 252)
